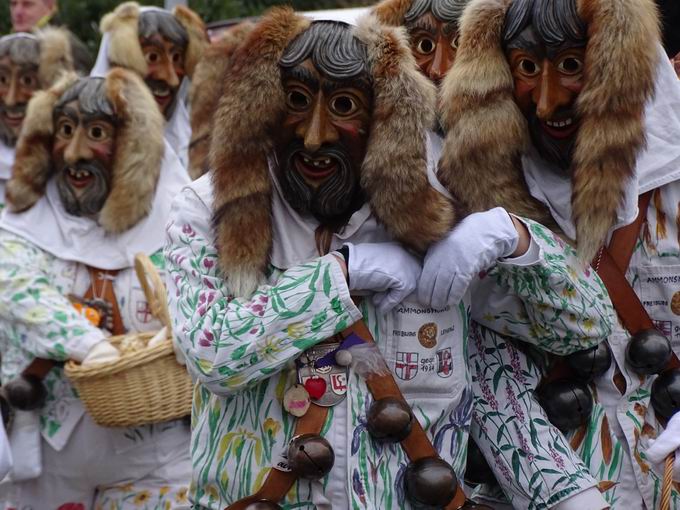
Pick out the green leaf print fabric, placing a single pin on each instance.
(241, 352)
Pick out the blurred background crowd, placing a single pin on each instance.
(82, 16)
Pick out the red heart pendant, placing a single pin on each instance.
(316, 387)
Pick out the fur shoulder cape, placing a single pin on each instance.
(250, 109)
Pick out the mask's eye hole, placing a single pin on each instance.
(152, 57)
(425, 45)
(528, 67)
(28, 81)
(98, 133)
(455, 41)
(65, 128)
(343, 105)
(298, 100)
(570, 65)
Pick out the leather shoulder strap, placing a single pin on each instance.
(102, 287)
(611, 266)
(624, 239)
(416, 445)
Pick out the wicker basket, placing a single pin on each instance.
(143, 386)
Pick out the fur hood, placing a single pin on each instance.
(252, 105)
(487, 133)
(206, 87)
(392, 12)
(124, 48)
(56, 55)
(137, 159)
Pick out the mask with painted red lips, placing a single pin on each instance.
(83, 187)
(12, 117)
(164, 94)
(322, 140)
(19, 59)
(324, 183)
(83, 147)
(545, 46)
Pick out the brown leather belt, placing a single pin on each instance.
(416, 445)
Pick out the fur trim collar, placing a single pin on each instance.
(392, 12)
(138, 153)
(252, 105)
(56, 56)
(124, 48)
(487, 133)
(206, 87)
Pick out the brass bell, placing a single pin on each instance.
(666, 393)
(568, 404)
(263, 505)
(26, 393)
(430, 482)
(310, 456)
(477, 470)
(648, 352)
(389, 420)
(591, 363)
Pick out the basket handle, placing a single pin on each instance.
(154, 291)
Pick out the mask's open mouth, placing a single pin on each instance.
(315, 168)
(560, 128)
(14, 118)
(78, 177)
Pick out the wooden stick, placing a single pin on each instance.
(667, 482)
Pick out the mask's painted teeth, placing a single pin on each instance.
(318, 163)
(14, 115)
(161, 92)
(559, 124)
(78, 174)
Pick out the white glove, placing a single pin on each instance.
(386, 269)
(103, 352)
(667, 442)
(475, 244)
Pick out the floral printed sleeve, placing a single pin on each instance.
(231, 342)
(34, 315)
(551, 302)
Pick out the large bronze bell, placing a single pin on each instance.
(310, 456)
(389, 419)
(666, 393)
(648, 352)
(26, 393)
(263, 505)
(477, 470)
(591, 363)
(430, 482)
(568, 404)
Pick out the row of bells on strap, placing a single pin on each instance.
(568, 403)
(429, 482)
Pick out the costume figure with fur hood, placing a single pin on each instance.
(163, 47)
(549, 105)
(433, 28)
(91, 186)
(303, 162)
(27, 63)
